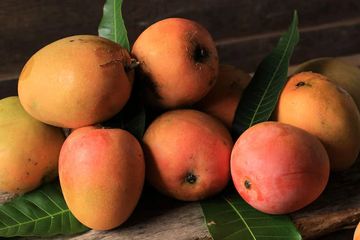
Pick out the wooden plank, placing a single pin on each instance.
(8, 88)
(244, 32)
(26, 26)
(325, 42)
(232, 18)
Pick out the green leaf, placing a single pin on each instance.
(42, 212)
(112, 25)
(132, 116)
(228, 217)
(260, 97)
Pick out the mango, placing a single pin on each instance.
(29, 149)
(357, 232)
(337, 71)
(179, 62)
(222, 100)
(278, 168)
(101, 174)
(187, 154)
(76, 81)
(311, 102)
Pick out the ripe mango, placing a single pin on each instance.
(76, 81)
(223, 99)
(29, 149)
(101, 173)
(338, 71)
(278, 168)
(311, 102)
(187, 154)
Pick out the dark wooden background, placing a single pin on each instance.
(244, 30)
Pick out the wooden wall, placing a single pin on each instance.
(244, 30)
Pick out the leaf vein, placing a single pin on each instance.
(241, 217)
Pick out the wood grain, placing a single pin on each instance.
(243, 31)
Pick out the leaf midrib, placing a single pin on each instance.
(36, 220)
(241, 217)
(115, 20)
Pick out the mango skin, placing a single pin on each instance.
(187, 154)
(76, 81)
(337, 71)
(278, 168)
(29, 149)
(101, 174)
(311, 102)
(179, 62)
(224, 97)
(357, 232)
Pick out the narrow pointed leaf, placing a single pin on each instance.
(229, 217)
(112, 25)
(42, 212)
(260, 97)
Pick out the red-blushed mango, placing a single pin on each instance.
(76, 81)
(278, 168)
(101, 174)
(187, 154)
(223, 99)
(29, 149)
(311, 102)
(178, 62)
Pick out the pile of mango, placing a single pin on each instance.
(187, 152)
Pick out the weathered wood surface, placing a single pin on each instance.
(244, 31)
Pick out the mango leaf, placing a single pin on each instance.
(42, 212)
(112, 25)
(229, 217)
(260, 97)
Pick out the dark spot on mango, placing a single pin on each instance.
(200, 54)
(247, 184)
(190, 178)
(300, 84)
